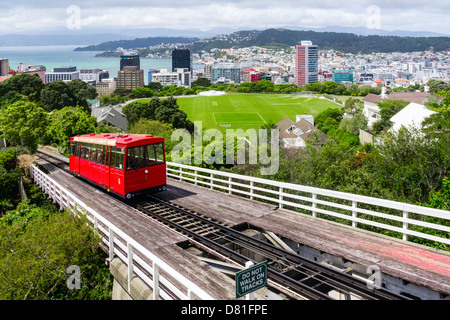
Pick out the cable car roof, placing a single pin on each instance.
(112, 139)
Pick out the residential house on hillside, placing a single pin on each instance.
(295, 134)
(371, 110)
(110, 116)
(410, 116)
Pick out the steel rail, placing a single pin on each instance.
(312, 270)
(305, 290)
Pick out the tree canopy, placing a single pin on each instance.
(163, 110)
(24, 124)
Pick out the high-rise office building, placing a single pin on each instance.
(182, 59)
(4, 67)
(130, 78)
(306, 63)
(130, 75)
(130, 59)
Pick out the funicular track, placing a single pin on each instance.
(293, 274)
(309, 279)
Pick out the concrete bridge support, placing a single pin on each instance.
(138, 289)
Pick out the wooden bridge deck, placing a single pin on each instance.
(410, 262)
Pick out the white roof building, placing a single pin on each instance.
(410, 116)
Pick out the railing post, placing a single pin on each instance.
(111, 245)
(251, 295)
(181, 174)
(155, 281)
(211, 180)
(280, 205)
(229, 185)
(354, 214)
(314, 205)
(251, 190)
(130, 265)
(405, 225)
(195, 177)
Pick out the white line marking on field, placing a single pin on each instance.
(261, 117)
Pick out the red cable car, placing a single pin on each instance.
(125, 164)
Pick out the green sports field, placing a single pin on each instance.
(244, 111)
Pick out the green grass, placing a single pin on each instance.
(244, 111)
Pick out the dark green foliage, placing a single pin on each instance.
(136, 43)
(37, 245)
(322, 117)
(163, 110)
(441, 199)
(27, 85)
(58, 94)
(9, 179)
(81, 92)
(438, 86)
(24, 124)
(68, 122)
(201, 82)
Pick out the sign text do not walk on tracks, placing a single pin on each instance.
(250, 279)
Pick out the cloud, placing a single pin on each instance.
(200, 14)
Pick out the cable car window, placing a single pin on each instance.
(151, 156)
(83, 150)
(159, 153)
(100, 153)
(93, 153)
(73, 148)
(87, 148)
(155, 154)
(135, 158)
(117, 157)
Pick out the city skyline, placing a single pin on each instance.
(86, 16)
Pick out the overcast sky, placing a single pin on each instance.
(26, 16)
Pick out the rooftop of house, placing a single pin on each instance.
(416, 97)
(410, 116)
(302, 129)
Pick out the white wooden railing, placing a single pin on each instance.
(140, 261)
(343, 207)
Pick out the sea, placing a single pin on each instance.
(57, 56)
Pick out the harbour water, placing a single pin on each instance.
(57, 56)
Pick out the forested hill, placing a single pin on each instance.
(136, 43)
(345, 42)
